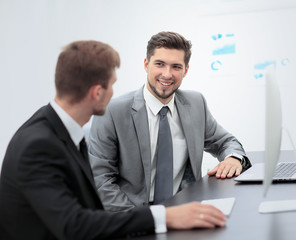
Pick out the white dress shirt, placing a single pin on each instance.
(75, 130)
(180, 153)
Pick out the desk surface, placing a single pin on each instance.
(244, 222)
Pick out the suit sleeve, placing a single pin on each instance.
(104, 153)
(46, 180)
(218, 141)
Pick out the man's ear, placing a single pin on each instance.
(186, 70)
(96, 92)
(146, 64)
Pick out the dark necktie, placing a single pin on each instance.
(84, 153)
(164, 162)
(83, 149)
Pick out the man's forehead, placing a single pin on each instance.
(171, 56)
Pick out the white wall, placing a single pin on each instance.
(33, 32)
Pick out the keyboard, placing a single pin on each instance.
(285, 170)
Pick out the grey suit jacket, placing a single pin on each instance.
(119, 146)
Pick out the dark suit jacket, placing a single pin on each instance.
(47, 190)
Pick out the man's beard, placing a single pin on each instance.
(158, 94)
(100, 112)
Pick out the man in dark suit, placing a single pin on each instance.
(47, 189)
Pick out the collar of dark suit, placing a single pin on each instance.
(74, 129)
(57, 124)
(62, 133)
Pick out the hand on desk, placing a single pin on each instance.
(227, 168)
(194, 215)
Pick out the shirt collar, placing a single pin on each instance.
(75, 130)
(154, 104)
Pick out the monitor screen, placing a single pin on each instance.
(273, 127)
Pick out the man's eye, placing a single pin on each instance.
(178, 67)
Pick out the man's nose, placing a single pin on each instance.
(167, 72)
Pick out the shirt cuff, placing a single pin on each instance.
(159, 216)
(237, 156)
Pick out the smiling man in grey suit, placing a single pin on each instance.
(123, 144)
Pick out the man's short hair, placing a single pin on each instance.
(83, 64)
(169, 40)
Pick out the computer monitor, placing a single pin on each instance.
(273, 127)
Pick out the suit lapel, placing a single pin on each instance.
(63, 134)
(183, 108)
(140, 118)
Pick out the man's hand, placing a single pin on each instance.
(227, 168)
(194, 215)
